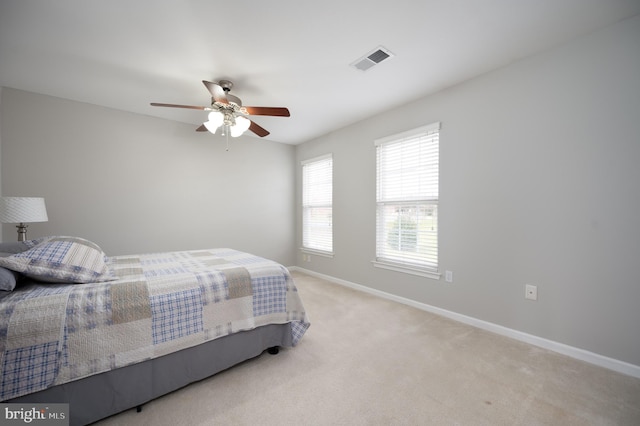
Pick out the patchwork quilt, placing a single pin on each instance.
(160, 303)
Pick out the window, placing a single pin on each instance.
(407, 201)
(317, 204)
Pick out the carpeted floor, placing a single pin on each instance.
(370, 361)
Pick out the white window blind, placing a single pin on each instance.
(407, 199)
(317, 204)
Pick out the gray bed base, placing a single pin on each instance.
(102, 395)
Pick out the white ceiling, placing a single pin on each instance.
(125, 54)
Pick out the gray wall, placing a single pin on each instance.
(136, 184)
(1, 237)
(540, 184)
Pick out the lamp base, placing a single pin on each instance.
(22, 232)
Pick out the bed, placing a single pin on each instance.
(106, 334)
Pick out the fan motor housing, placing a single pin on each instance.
(226, 85)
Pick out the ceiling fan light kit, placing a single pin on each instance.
(216, 118)
(230, 124)
(241, 126)
(227, 112)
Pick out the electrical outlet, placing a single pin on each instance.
(448, 276)
(530, 292)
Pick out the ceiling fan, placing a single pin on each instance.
(228, 113)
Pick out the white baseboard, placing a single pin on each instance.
(577, 353)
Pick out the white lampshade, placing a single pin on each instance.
(215, 120)
(242, 124)
(22, 209)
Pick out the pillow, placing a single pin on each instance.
(8, 278)
(14, 247)
(62, 260)
(33, 243)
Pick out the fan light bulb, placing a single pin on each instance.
(215, 120)
(242, 124)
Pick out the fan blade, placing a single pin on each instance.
(273, 111)
(202, 128)
(234, 99)
(178, 106)
(216, 91)
(260, 131)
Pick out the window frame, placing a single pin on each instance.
(305, 206)
(405, 264)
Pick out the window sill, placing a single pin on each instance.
(317, 252)
(406, 269)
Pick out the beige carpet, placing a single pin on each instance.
(369, 361)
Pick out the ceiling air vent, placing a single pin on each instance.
(372, 58)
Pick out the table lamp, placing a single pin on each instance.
(20, 210)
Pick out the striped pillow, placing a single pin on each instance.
(62, 260)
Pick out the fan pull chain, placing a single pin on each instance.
(225, 133)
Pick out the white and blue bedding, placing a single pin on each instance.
(154, 304)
